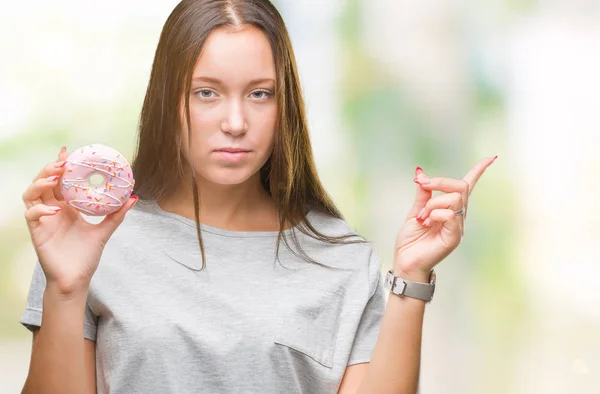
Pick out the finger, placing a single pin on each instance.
(56, 192)
(446, 185)
(37, 192)
(112, 221)
(447, 217)
(54, 168)
(35, 212)
(475, 173)
(62, 157)
(453, 201)
(421, 197)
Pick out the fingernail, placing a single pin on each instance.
(53, 178)
(494, 159)
(63, 149)
(56, 209)
(135, 200)
(427, 222)
(421, 213)
(422, 180)
(418, 170)
(60, 164)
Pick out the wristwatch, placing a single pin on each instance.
(403, 287)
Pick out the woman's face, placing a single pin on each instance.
(233, 109)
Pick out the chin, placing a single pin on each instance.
(228, 176)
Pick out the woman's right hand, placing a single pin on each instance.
(68, 247)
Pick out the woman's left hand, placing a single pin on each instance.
(433, 229)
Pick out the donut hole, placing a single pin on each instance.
(97, 180)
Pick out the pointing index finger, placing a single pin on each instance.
(475, 173)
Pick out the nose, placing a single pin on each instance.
(234, 122)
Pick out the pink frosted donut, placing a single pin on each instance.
(97, 180)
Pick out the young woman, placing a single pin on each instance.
(191, 292)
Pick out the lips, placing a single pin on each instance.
(231, 155)
(233, 150)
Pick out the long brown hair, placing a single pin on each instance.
(289, 175)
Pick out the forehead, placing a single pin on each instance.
(236, 56)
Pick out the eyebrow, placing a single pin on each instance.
(219, 82)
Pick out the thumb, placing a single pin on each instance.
(421, 197)
(110, 223)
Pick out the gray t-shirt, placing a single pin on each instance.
(245, 324)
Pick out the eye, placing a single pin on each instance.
(205, 93)
(261, 94)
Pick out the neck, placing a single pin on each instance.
(242, 207)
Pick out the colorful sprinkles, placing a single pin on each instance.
(102, 199)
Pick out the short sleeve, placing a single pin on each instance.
(32, 316)
(372, 315)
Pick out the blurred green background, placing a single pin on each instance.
(389, 85)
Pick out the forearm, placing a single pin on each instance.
(394, 366)
(57, 360)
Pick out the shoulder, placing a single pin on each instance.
(143, 227)
(140, 243)
(330, 225)
(355, 258)
(354, 249)
(145, 218)
(142, 211)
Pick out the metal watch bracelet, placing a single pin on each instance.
(406, 288)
